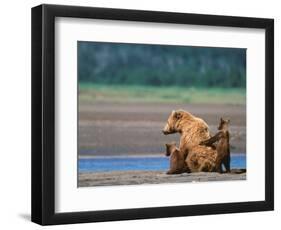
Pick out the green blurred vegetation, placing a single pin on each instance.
(90, 93)
(161, 65)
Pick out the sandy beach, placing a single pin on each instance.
(150, 177)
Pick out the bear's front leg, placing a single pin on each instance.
(226, 163)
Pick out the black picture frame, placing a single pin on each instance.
(43, 114)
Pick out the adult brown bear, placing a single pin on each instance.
(193, 131)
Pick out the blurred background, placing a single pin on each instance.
(160, 72)
(161, 65)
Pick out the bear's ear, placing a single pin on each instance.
(178, 115)
(223, 121)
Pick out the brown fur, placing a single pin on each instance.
(201, 159)
(177, 161)
(193, 131)
(223, 149)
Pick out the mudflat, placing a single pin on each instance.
(127, 128)
(150, 177)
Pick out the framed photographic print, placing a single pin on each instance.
(141, 114)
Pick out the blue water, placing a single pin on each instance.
(106, 164)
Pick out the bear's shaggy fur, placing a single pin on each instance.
(223, 148)
(193, 131)
(201, 159)
(177, 161)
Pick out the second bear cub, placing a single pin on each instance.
(177, 161)
(223, 148)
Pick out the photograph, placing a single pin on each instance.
(140, 114)
(159, 114)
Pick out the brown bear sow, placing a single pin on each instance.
(177, 161)
(223, 149)
(192, 129)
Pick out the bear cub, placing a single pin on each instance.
(223, 147)
(177, 160)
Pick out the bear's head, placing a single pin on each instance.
(223, 124)
(172, 125)
(170, 148)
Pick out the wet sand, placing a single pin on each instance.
(151, 177)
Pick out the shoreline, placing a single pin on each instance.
(88, 179)
(81, 156)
